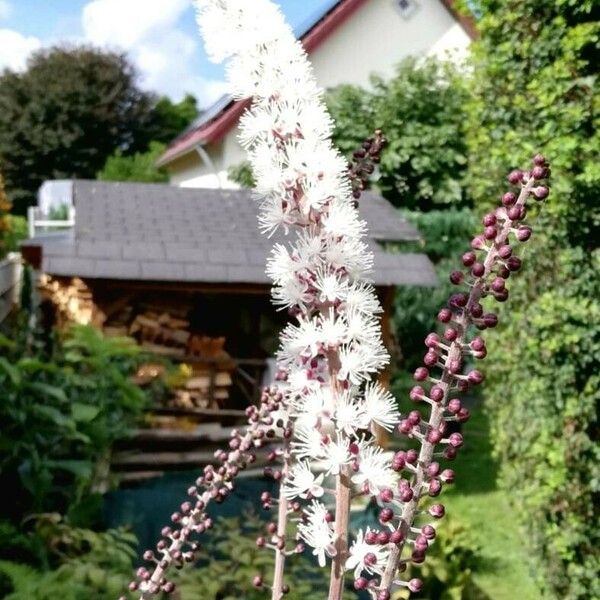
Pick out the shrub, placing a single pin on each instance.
(420, 112)
(442, 234)
(536, 86)
(60, 415)
(139, 167)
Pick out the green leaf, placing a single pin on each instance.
(79, 468)
(84, 412)
(46, 390)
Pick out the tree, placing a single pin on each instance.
(140, 167)
(420, 111)
(65, 114)
(170, 118)
(5, 223)
(536, 88)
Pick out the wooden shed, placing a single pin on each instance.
(183, 272)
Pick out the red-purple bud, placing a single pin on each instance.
(414, 417)
(523, 233)
(437, 511)
(478, 242)
(416, 393)
(456, 277)
(396, 537)
(430, 359)
(450, 334)
(361, 584)
(455, 440)
(445, 315)
(435, 487)
(509, 199)
(490, 320)
(436, 393)
(371, 537)
(514, 213)
(415, 585)
(489, 220)
(386, 515)
(411, 456)
(454, 405)
(538, 172)
(541, 192)
(478, 269)
(447, 476)
(432, 340)
(504, 251)
(428, 531)
(475, 377)
(434, 436)
(468, 258)
(513, 263)
(515, 177)
(421, 374)
(386, 495)
(433, 469)
(383, 537)
(489, 233)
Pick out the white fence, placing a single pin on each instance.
(11, 271)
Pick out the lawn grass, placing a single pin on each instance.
(481, 507)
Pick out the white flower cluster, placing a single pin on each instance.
(335, 348)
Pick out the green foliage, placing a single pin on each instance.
(445, 234)
(140, 167)
(5, 223)
(535, 88)
(60, 415)
(81, 564)
(65, 114)
(170, 118)
(447, 572)
(242, 175)
(16, 232)
(420, 112)
(232, 560)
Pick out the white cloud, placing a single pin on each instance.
(125, 22)
(5, 9)
(16, 48)
(148, 31)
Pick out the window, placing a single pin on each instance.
(407, 8)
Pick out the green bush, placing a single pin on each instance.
(60, 416)
(139, 167)
(444, 237)
(420, 110)
(535, 88)
(80, 564)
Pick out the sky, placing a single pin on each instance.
(159, 36)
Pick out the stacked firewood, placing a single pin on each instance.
(72, 300)
(161, 333)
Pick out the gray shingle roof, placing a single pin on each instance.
(157, 232)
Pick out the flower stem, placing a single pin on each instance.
(282, 523)
(462, 321)
(343, 496)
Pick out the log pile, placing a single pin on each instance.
(202, 383)
(72, 300)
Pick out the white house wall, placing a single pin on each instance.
(377, 37)
(373, 40)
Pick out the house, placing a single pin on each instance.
(346, 44)
(183, 272)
